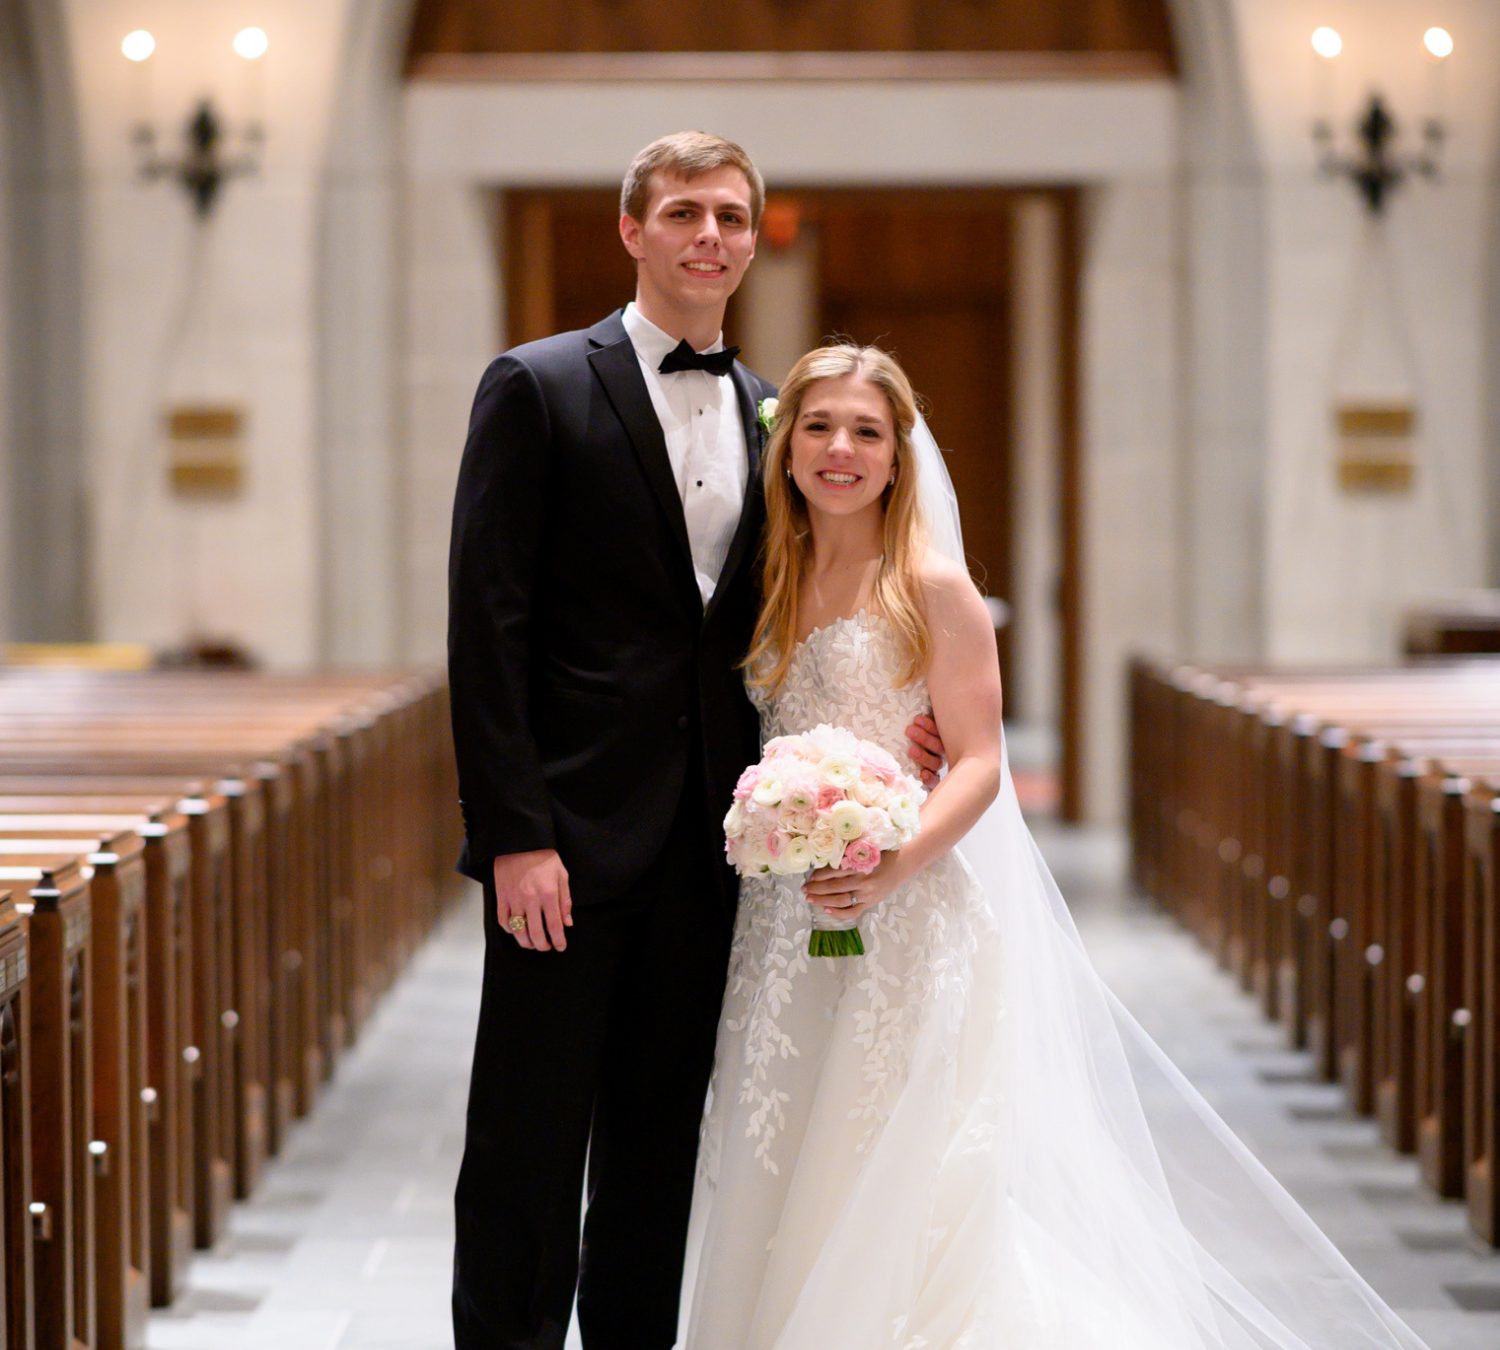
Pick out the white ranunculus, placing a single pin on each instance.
(841, 769)
(768, 792)
(734, 822)
(848, 819)
(797, 857)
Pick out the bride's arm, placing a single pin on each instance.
(964, 681)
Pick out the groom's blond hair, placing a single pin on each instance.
(687, 155)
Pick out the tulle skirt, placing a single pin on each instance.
(962, 1140)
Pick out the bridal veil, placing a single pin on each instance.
(1100, 1202)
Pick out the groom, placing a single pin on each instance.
(602, 591)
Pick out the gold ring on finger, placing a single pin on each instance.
(516, 923)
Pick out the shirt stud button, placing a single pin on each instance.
(682, 723)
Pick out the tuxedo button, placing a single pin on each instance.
(682, 723)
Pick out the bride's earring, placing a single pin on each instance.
(789, 474)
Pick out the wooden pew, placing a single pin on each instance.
(297, 836)
(1441, 1050)
(288, 794)
(59, 1036)
(1332, 826)
(1363, 910)
(1464, 623)
(170, 1055)
(120, 802)
(16, 1216)
(301, 1043)
(203, 1091)
(1482, 999)
(114, 865)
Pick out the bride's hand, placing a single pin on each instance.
(846, 894)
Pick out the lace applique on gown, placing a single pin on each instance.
(960, 1141)
(815, 1053)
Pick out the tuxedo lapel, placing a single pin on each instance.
(746, 535)
(619, 371)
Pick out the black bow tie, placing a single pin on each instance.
(683, 357)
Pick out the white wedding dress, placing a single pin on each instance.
(960, 1140)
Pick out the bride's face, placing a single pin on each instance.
(843, 446)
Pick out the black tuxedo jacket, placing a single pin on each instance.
(585, 670)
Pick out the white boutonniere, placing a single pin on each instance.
(765, 414)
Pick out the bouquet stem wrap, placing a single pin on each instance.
(834, 937)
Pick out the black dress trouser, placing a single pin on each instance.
(603, 1051)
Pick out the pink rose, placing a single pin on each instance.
(861, 856)
(828, 796)
(747, 783)
(878, 762)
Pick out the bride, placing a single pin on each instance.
(959, 1139)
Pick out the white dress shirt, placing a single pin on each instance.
(700, 419)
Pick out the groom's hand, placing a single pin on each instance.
(534, 887)
(926, 748)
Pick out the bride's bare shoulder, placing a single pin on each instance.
(950, 598)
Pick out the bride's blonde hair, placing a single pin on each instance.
(786, 550)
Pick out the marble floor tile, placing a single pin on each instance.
(347, 1243)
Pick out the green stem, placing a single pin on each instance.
(835, 942)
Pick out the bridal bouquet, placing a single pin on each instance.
(821, 799)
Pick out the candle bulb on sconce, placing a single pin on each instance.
(1437, 47)
(1326, 45)
(1375, 169)
(251, 44)
(137, 48)
(204, 166)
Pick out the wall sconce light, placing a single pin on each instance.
(205, 165)
(1374, 167)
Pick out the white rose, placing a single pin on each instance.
(827, 847)
(841, 769)
(849, 820)
(802, 794)
(825, 740)
(752, 841)
(796, 819)
(882, 832)
(734, 822)
(768, 791)
(871, 792)
(904, 813)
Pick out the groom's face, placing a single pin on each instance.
(695, 242)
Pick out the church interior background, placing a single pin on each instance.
(1204, 403)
